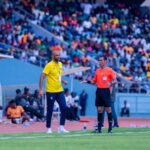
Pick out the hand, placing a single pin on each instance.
(65, 82)
(40, 92)
(111, 90)
(108, 84)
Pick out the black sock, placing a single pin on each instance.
(110, 121)
(100, 119)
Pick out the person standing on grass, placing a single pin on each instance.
(54, 91)
(104, 78)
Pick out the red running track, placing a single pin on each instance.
(72, 125)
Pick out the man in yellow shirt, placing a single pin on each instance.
(54, 91)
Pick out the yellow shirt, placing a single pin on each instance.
(53, 72)
(114, 20)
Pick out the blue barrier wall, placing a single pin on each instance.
(15, 72)
(139, 104)
(90, 89)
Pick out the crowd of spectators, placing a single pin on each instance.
(32, 103)
(30, 107)
(117, 31)
(18, 34)
(76, 105)
(25, 106)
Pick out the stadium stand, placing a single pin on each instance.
(116, 31)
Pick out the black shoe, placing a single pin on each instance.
(115, 126)
(110, 131)
(99, 131)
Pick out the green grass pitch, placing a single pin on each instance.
(120, 139)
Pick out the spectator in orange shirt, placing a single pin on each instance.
(16, 113)
(148, 70)
(25, 38)
(128, 48)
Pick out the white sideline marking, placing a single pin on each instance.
(70, 135)
(21, 137)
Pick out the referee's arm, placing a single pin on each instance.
(114, 81)
(93, 81)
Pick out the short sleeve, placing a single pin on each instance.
(46, 69)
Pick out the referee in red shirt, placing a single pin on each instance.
(104, 78)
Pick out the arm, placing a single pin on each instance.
(63, 81)
(23, 114)
(41, 83)
(113, 82)
(8, 113)
(9, 116)
(85, 81)
(113, 78)
(93, 81)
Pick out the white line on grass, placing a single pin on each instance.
(23, 137)
(69, 135)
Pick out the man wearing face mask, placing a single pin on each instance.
(54, 91)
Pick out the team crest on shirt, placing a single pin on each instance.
(104, 78)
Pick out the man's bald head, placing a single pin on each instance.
(56, 55)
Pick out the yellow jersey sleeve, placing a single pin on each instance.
(47, 69)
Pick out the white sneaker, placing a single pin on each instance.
(62, 130)
(31, 120)
(49, 131)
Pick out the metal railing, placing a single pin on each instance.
(133, 87)
(47, 33)
(21, 13)
(16, 53)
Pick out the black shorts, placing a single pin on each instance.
(103, 97)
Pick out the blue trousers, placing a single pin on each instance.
(60, 98)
